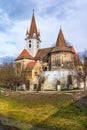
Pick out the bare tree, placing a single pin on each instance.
(82, 73)
(8, 76)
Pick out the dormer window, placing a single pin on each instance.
(29, 45)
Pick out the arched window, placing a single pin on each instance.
(29, 45)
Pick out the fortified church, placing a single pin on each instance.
(54, 63)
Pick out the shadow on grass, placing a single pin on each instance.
(6, 127)
(82, 102)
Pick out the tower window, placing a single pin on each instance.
(30, 41)
(29, 45)
(37, 44)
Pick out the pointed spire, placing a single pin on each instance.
(60, 40)
(33, 28)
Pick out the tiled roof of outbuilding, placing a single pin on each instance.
(24, 55)
(73, 50)
(31, 65)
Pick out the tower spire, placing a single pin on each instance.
(33, 28)
(60, 40)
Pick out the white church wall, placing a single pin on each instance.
(51, 78)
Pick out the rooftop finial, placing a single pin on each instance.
(60, 26)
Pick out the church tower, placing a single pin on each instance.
(32, 38)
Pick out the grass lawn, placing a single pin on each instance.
(56, 111)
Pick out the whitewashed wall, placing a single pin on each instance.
(51, 78)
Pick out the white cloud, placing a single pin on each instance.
(73, 23)
(49, 14)
(5, 21)
(16, 35)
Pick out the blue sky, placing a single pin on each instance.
(15, 18)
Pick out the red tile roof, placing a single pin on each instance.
(24, 55)
(31, 65)
(76, 57)
(73, 50)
